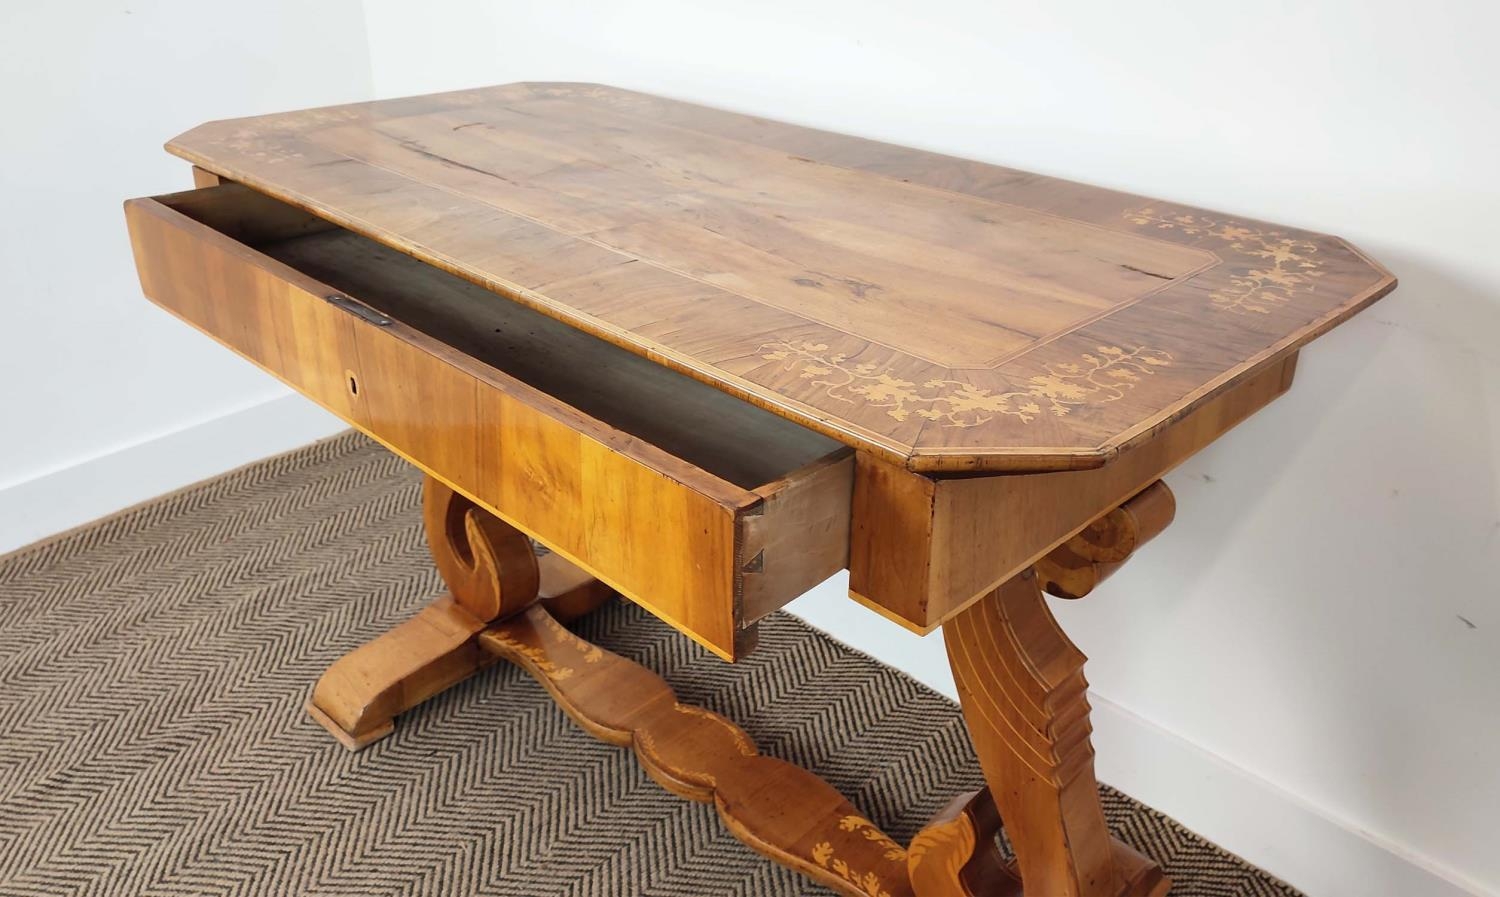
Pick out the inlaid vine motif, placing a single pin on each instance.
(591, 653)
(1101, 376)
(1288, 265)
(872, 833)
(742, 742)
(260, 146)
(537, 656)
(868, 881)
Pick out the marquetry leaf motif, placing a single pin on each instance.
(591, 652)
(742, 741)
(261, 147)
(871, 832)
(1095, 378)
(1286, 265)
(869, 882)
(274, 146)
(536, 655)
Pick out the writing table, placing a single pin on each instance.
(705, 360)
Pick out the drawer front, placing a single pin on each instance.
(703, 554)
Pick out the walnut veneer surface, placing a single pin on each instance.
(941, 314)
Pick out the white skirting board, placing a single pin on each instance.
(72, 494)
(1228, 805)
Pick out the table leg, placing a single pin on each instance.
(492, 572)
(1020, 682)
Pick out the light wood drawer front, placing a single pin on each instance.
(706, 511)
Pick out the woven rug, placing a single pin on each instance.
(152, 739)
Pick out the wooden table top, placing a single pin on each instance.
(943, 314)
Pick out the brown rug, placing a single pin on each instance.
(152, 740)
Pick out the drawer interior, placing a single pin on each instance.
(732, 439)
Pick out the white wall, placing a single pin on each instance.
(1301, 621)
(1287, 669)
(88, 369)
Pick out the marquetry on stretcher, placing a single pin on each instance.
(504, 602)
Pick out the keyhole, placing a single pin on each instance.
(353, 384)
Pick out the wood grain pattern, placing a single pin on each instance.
(1076, 567)
(923, 548)
(1020, 682)
(744, 445)
(554, 298)
(671, 534)
(779, 809)
(798, 533)
(491, 572)
(940, 314)
(956, 854)
(507, 602)
(358, 698)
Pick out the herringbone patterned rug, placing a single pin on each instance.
(152, 738)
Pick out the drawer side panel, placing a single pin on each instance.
(797, 537)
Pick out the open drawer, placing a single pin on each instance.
(706, 510)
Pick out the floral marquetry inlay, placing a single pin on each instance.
(868, 881)
(591, 652)
(1101, 376)
(992, 321)
(1288, 265)
(538, 656)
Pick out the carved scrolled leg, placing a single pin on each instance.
(1020, 682)
(1074, 568)
(491, 571)
(489, 566)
